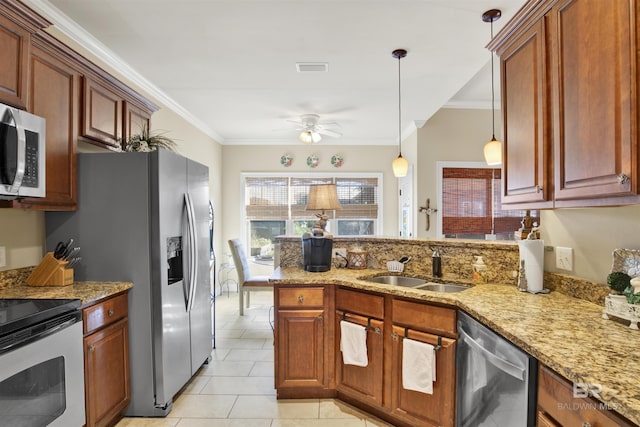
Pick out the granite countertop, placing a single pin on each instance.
(87, 292)
(565, 333)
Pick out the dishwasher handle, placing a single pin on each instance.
(505, 366)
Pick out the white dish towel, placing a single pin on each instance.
(418, 366)
(353, 344)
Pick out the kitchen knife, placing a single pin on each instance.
(73, 262)
(70, 253)
(59, 250)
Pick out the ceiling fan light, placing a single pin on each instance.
(400, 166)
(309, 137)
(493, 152)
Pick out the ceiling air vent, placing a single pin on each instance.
(315, 67)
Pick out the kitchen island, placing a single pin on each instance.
(564, 333)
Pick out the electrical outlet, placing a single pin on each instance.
(339, 252)
(564, 258)
(3, 256)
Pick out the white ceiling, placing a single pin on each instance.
(231, 64)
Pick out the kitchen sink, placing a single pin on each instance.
(410, 282)
(442, 287)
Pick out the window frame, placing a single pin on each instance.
(244, 232)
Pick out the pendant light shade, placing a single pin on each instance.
(493, 148)
(400, 165)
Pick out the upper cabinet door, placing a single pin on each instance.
(102, 115)
(526, 153)
(136, 121)
(594, 97)
(14, 59)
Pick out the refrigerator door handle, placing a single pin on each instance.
(193, 250)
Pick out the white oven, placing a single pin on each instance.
(42, 371)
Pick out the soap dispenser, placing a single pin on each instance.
(480, 274)
(436, 264)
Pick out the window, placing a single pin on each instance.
(471, 206)
(276, 205)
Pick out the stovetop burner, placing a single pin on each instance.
(16, 314)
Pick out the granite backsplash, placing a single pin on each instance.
(458, 256)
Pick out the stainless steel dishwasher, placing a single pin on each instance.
(496, 381)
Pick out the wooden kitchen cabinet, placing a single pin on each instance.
(527, 161)
(102, 114)
(362, 383)
(106, 364)
(136, 121)
(17, 24)
(303, 348)
(432, 325)
(54, 95)
(569, 96)
(558, 406)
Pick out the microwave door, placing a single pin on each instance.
(13, 151)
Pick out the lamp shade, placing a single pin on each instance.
(400, 166)
(493, 152)
(323, 197)
(309, 137)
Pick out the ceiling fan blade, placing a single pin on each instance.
(328, 132)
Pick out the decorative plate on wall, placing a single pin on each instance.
(337, 160)
(312, 161)
(286, 160)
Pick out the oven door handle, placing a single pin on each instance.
(504, 365)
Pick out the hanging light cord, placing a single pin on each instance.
(399, 111)
(493, 106)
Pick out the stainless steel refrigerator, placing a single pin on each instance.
(144, 218)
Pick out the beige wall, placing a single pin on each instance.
(450, 135)
(244, 158)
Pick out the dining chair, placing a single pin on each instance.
(247, 283)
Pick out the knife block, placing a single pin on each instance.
(51, 272)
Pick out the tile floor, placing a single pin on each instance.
(236, 387)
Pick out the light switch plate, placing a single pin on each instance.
(341, 251)
(564, 258)
(3, 256)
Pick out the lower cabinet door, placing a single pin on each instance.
(418, 408)
(361, 382)
(107, 390)
(300, 351)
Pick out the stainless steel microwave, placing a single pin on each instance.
(22, 154)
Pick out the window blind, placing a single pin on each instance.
(267, 197)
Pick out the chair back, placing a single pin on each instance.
(240, 260)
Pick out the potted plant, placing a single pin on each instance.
(147, 141)
(618, 281)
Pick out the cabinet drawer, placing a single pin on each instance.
(424, 317)
(301, 297)
(104, 313)
(556, 398)
(360, 303)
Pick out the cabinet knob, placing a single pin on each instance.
(300, 298)
(586, 424)
(91, 348)
(623, 178)
(394, 336)
(320, 318)
(110, 312)
(538, 188)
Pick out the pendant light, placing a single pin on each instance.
(400, 165)
(493, 148)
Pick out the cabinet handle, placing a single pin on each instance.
(91, 348)
(623, 178)
(110, 312)
(300, 298)
(538, 188)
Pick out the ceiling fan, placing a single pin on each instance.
(312, 129)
